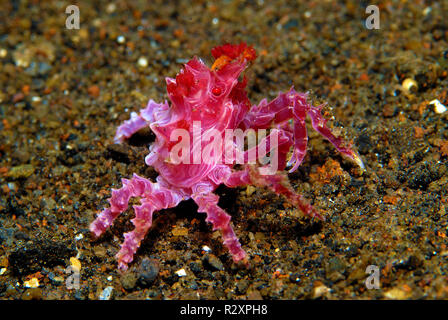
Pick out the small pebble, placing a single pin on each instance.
(100, 252)
(56, 280)
(242, 286)
(212, 262)
(75, 264)
(94, 91)
(409, 84)
(32, 283)
(250, 190)
(181, 273)
(397, 294)
(319, 291)
(179, 231)
(147, 271)
(110, 8)
(121, 39)
(106, 294)
(22, 171)
(142, 62)
(255, 295)
(438, 106)
(32, 294)
(128, 280)
(12, 186)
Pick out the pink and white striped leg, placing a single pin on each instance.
(279, 183)
(319, 124)
(154, 198)
(159, 198)
(220, 220)
(135, 187)
(151, 113)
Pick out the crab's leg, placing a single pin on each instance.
(300, 141)
(278, 183)
(319, 124)
(238, 178)
(220, 220)
(135, 187)
(283, 143)
(290, 105)
(280, 109)
(160, 198)
(294, 105)
(151, 113)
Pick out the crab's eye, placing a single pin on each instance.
(216, 91)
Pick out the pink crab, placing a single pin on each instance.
(216, 98)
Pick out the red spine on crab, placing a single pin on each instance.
(217, 100)
(228, 53)
(234, 51)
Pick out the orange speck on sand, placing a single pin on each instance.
(164, 273)
(422, 107)
(157, 37)
(213, 8)
(178, 33)
(94, 91)
(137, 14)
(26, 89)
(130, 45)
(444, 148)
(6, 124)
(257, 259)
(419, 132)
(324, 174)
(391, 199)
(336, 86)
(37, 275)
(103, 33)
(364, 77)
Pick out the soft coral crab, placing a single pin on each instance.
(217, 98)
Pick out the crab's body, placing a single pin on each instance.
(217, 100)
